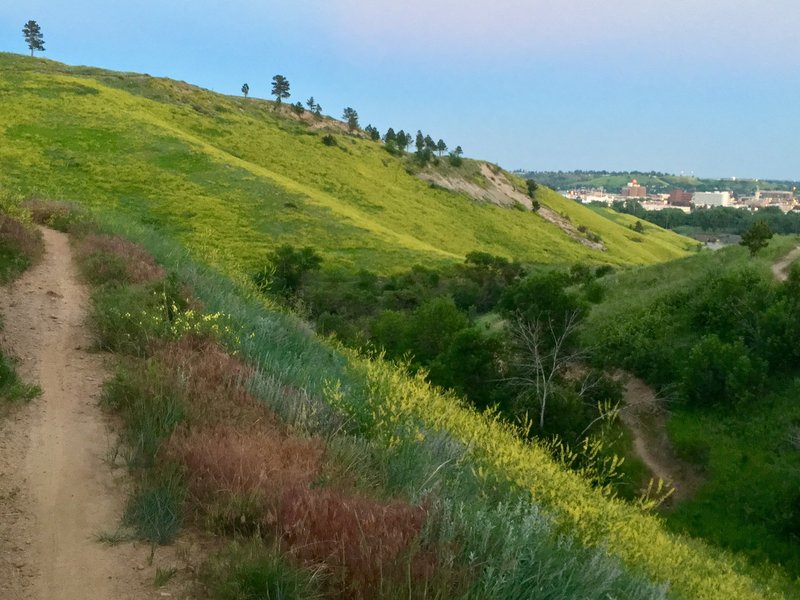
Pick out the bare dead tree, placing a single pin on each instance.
(545, 355)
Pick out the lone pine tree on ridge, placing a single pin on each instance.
(33, 36)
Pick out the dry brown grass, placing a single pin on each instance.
(138, 264)
(215, 383)
(247, 474)
(46, 212)
(20, 238)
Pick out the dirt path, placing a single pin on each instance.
(781, 268)
(56, 491)
(647, 421)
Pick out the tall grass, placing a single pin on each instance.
(470, 458)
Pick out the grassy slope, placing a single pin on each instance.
(231, 179)
(752, 467)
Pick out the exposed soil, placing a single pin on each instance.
(57, 492)
(503, 192)
(781, 268)
(646, 419)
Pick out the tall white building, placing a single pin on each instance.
(712, 199)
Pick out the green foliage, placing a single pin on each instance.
(245, 89)
(249, 570)
(151, 406)
(285, 270)
(12, 388)
(280, 88)
(718, 372)
(155, 508)
(32, 33)
(350, 117)
(756, 237)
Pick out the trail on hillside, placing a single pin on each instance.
(56, 492)
(780, 268)
(646, 419)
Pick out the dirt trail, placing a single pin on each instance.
(56, 491)
(781, 267)
(647, 422)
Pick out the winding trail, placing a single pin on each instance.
(646, 419)
(780, 268)
(56, 492)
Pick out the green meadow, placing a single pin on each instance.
(231, 178)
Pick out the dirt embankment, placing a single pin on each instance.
(499, 190)
(56, 492)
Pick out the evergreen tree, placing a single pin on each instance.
(403, 140)
(318, 111)
(245, 89)
(311, 104)
(298, 108)
(420, 141)
(430, 144)
(280, 88)
(33, 36)
(441, 147)
(351, 118)
(373, 133)
(390, 136)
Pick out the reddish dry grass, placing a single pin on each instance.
(215, 383)
(22, 239)
(139, 264)
(246, 474)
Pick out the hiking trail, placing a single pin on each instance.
(57, 492)
(646, 419)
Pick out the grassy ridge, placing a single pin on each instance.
(232, 178)
(384, 404)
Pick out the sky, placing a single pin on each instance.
(704, 87)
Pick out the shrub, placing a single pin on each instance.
(329, 140)
(717, 372)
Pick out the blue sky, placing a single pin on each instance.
(709, 87)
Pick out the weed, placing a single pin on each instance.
(252, 571)
(164, 575)
(155, 509)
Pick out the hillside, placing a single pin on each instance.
(686, 327)
(231, 178)
(313, 464)
(660, 183)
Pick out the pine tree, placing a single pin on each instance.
(351, 117)
(280, 88)
(33, 36)
(311, 104)
(245, 90)
(441, 147)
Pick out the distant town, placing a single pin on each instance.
(684, 200)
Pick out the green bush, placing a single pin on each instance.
(717, 372)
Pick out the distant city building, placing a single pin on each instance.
(712, 199)
(634, 190)
(680, 198)
(775, 196)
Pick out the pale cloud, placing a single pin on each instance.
(731, 30)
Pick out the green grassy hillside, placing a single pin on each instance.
(231, 178)
(654, 321)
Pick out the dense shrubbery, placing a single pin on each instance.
(718, 339)
(455, 324)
